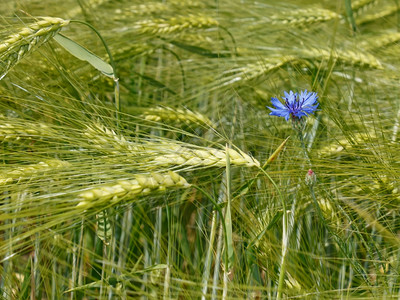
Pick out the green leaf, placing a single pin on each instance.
(198, 50)
(155, 83)
(350, 16)
(84, 54)
(151, 268)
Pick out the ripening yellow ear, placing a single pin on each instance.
(276, 152)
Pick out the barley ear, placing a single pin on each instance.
(141, 184)
(18, 45)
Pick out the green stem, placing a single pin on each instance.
(229, 255)
(208, 261)
(285, 237)
(337, 239)
(298, 127)
(112, 63)
(102, 40)
(283, 265)
(217, 263)
(350, 16)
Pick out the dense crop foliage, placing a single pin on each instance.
(139, 159)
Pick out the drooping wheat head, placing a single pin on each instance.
(176, 116)
(27, 172)
(140, 185)
(303, 17)
(175, 24)
(21, 43)
(164, 153)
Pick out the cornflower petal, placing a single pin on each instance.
(309, 98)
(295, 105)
(280, 113)
(277, 103)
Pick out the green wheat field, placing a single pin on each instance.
(139, 159)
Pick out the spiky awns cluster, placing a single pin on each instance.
(295, 105)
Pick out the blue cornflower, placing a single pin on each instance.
(295, 106)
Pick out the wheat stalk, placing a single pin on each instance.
(176, 115)
(132, 50)
(138, 186)
(302, 17)
(176, 24)
(187, 3)
(347, 57)
(18, 45)
(338, 146)
(384, 12)
(267, 65)
(17, 129)
(361, 6)
(164, 153)
(107, 140)
(25, 172)
(151, 8)
(90, 4)
(139, 9)
(381, 41)
(254, 70)
(382, 185)
(175, 154)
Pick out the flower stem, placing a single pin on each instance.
(298, 127)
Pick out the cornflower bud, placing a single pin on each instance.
(311, 177)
